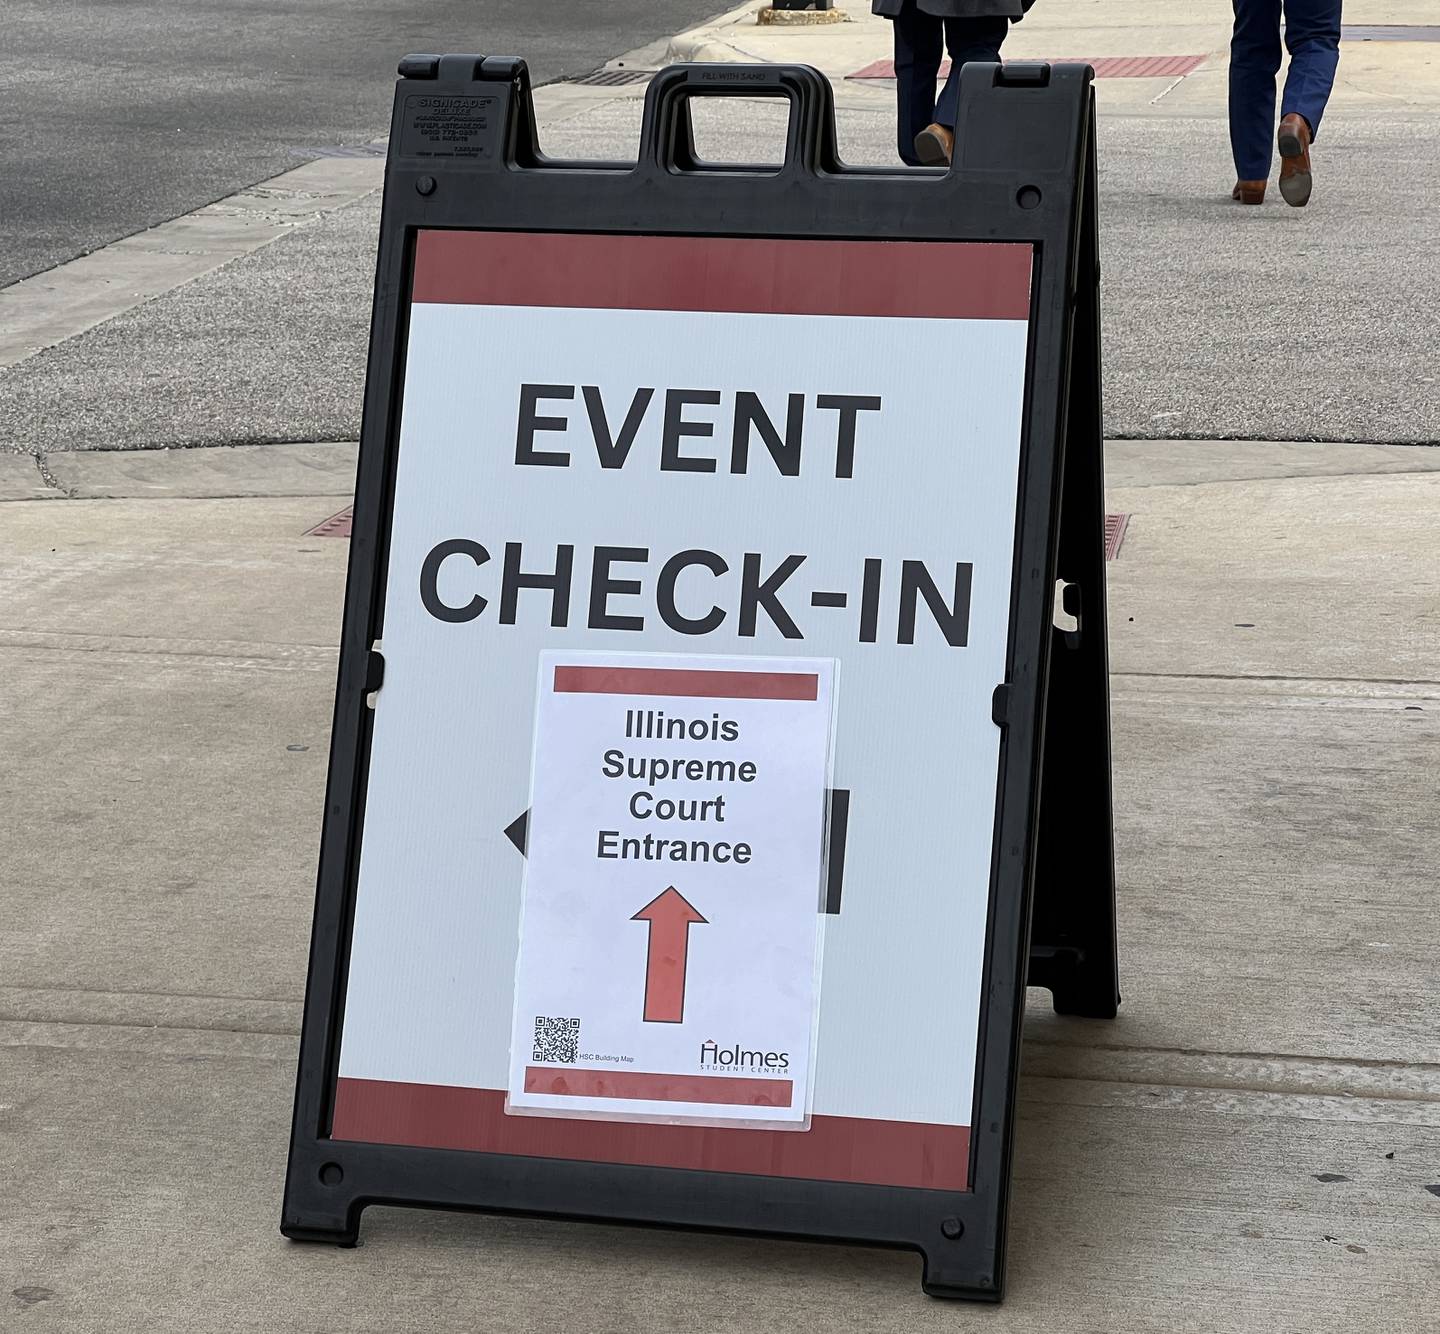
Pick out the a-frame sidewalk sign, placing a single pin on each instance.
(721, 741)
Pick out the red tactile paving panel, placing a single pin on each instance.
(1106, 67)
(1115, 525)
(337, 525)
(1145, 67)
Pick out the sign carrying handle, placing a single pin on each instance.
(667, 138)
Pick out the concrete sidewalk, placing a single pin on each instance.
(1254, 1146)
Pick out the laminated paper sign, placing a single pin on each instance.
(668, 965)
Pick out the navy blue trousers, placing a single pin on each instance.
(921, 41)
(1312, 34)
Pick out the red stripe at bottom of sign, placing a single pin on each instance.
(685, 681)
(835, 1148)
(732, 1090)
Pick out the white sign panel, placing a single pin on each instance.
(799, 453)
(669, 934)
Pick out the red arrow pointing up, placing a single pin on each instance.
(670, 917)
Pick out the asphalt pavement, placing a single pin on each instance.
(114, 116)
(1219, 322)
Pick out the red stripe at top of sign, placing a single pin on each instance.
(685, 681)
(764, 275)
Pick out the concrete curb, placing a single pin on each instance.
(215, 472)
(708, 43)
(46, 309)
(327, 468)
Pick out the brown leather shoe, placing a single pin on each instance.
(1294, 144)
(935, 145)
(1249, 192)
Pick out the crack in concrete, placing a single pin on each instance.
(49, 478)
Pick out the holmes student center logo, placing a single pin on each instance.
(715, 1057)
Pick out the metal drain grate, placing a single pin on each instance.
(337, 525)
(1115, 525)
(1106, 67)
(1390, 32)
(613, 78)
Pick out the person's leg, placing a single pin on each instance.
(1254, 62)
(967, 39)
(1312, 35)
(919, 44)
(1312, 32)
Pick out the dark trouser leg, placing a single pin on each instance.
(967, 39)
(919, 44)
(1254, 62)
(1312, 35)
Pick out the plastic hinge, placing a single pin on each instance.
(459, 68)
(374, 671)
(1000, 705)
(501, 69)
(1023, 73)
(463, 69)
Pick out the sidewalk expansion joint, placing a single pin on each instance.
(1180, 437)
(150, 1025)
(61, 988)
(223, 1046)
(60, 645)
(72, 493)
(1262, 676)
(1086, 1069)
(1317, 1092)
(1285, 477)
(1358, 1062)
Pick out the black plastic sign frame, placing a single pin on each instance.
(463, 155)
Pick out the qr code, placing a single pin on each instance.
(556, 1040)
